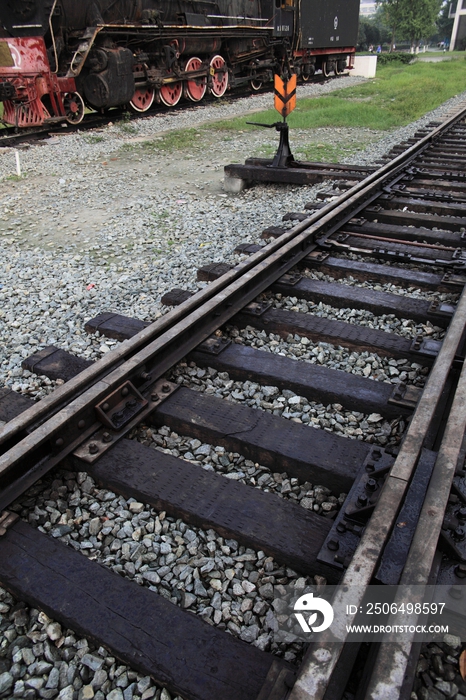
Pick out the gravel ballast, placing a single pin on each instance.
(96, 227)
(82, 233)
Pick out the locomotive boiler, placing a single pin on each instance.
(57, 56)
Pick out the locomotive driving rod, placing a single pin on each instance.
(58, 424)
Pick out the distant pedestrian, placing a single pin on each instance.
(371, 48)
(379, 49)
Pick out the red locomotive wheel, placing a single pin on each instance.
(194, 89)
(170, 94)
(74, 107)
(142, 99)
(219, 73)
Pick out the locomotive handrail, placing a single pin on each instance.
(84, 53)
(53, 36)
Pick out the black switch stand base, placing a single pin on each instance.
(285, 169)
(283, 157)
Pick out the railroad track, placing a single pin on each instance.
(402, 227)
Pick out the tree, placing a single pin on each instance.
(444, 23)
(372, 31)
(410, 19)
(392, 13)
(369, 33)
(418, 20)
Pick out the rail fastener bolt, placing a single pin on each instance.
(107, 437)
(461, 513)
(460, 570)
(93, 448)
(333, 545)
(456, 592)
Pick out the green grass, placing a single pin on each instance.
(325, 152)
(398, 95)
(127, 128)
(316, 152)
(179, 140)
(93, 139)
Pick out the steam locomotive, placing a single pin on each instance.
(57, 56)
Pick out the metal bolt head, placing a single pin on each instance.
(461, 513)
(59, 442)
(371, 485)
(93, 448)
(460, 570)
(456, 592)
(107, 437)
(125, 391)
(333, 545)
(165, 388)
(105, 407)
(81, 424)
(459, 534)
(362, 500)
(154, 397)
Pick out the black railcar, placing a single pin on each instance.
(58, 55)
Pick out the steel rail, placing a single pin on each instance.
(392, 660)
(163, 343)
(322, 657)
(64, 394)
